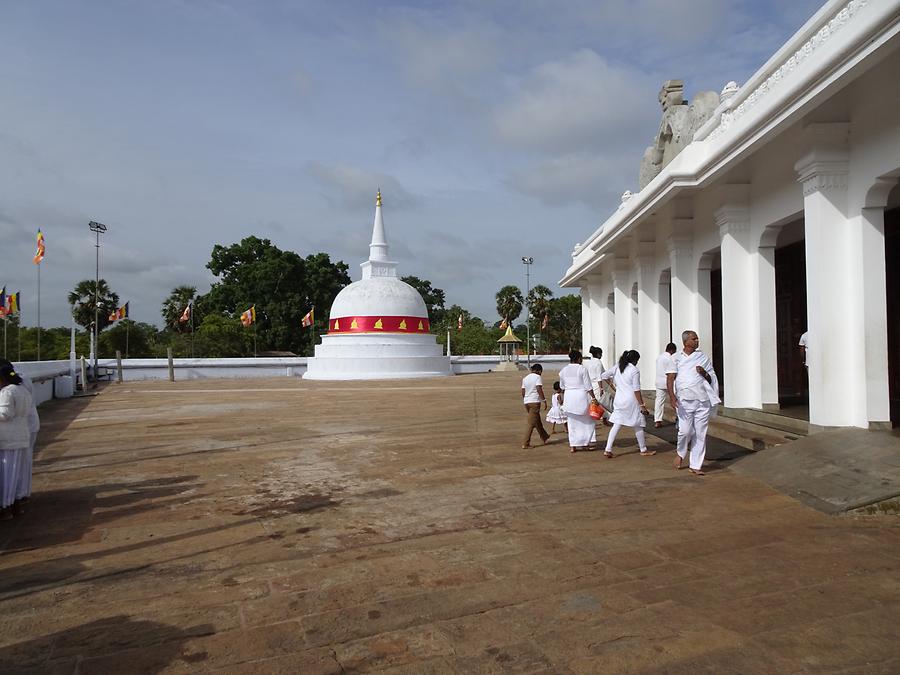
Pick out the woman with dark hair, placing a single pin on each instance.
(629, 404)
(15, 405)
(577, 393)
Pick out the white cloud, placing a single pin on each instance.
(579, 102)
(353, 187)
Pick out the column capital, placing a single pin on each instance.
(680, 246)
(825, 167)
(733, 219)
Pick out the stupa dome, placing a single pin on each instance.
(379, 296)
(378, 326)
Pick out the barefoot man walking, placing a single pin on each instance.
(694, 391)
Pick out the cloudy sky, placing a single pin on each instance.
(495, 129)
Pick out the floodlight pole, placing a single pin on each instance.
(98, 229)
(527, 261)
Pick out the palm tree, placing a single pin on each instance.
(509, 303)
(82, 301)
(538, 302)
(173, 306)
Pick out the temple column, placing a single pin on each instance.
(586, 322)
(683, 284)
(621, 276)
(600, 315)
(740, 308)
(836, 354)
(647, 339)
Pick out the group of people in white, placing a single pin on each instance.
(19, 425)
(685, 378)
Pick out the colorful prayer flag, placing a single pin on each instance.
(3, 301)
(186, 314)
(307, 320)
(546, 321)
(249, 317)
(504, 324)
(113, 316)
(12, 302)
(122, 313)
(39, 255)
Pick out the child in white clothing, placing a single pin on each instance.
(556, 414)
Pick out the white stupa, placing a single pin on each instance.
(378, 326)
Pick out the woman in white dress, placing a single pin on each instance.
(15, 405)
(577, 396)
(629, 409)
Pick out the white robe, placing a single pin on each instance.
(577, 392)
(627, 410)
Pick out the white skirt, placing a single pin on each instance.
(582, 431)
(9, 475)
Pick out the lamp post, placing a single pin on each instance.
(527, 261)
(98, 229)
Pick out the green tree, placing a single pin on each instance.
(280, 284)
(130, 338)
(173, 308)
(564, 326)
(509, 303)
(220, 336)
(82, 301)
(434, 297)
(538, 301)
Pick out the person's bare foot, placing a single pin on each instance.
(547, 441)
(678, 461)
(657, 424)
(608, 454)
(573, 449)
(648, 453)
(526, 446)
(698, 472)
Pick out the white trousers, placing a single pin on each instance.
(9, 475)
(660, 405)
(693, 421)
(638, 434)
(23, 483)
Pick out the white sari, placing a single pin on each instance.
(577, 393)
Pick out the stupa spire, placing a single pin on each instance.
(378, 264)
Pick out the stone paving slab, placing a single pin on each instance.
(833, 471)
(285, 526)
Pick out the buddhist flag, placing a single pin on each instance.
(307, 320)
(249, 317)
(113, 316)
(546, 321)
(459, 323)
(186, 314)
(504, 324)
(122, 312)
(12, 303)
(3, 301)
(39, 255)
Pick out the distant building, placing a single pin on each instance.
(773, 213)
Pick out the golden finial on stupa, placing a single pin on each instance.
(378, 198)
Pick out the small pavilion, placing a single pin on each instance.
(509, 351)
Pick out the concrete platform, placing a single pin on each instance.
(833, 471)
(288, 526)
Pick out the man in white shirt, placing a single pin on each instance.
(532, 397)
(664, 364)
(693, 389)
(595, 370)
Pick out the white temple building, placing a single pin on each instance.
(378, 326)
(764, 212)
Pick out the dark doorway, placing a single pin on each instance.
(715, 302)
(790, 320)
(892, 275)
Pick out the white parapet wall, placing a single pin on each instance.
(50, 377)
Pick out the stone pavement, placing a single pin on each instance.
(284, 526)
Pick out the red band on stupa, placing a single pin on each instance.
(378, 324)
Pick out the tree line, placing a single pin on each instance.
(282, 286)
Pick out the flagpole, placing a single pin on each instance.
(313, 326)
(38, 317)
(254, 339)
(126, 340)
(20, 337)
(191, 305)
(5, 321)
